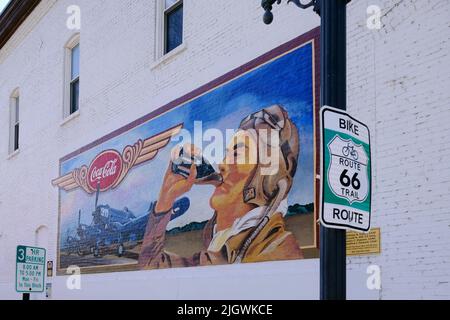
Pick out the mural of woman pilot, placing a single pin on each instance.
(249, 207)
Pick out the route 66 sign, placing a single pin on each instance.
(346, 171)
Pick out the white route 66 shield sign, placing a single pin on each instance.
(348, 171)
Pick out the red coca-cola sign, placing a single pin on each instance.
(105, 169)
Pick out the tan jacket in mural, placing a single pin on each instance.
(272, 243)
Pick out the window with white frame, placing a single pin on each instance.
(75, 80)
(72, 77)
(169, 21)
(14, 128)
(173, 24)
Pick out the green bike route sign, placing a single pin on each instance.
(30, 269)
(346, 174)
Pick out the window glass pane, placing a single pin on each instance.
(170, 3)
(174, 28)
(75, 61)
(17, 110)
(16, 137)
(74, 96)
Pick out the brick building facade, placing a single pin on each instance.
(397, 83)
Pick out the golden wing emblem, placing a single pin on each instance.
(132, 155)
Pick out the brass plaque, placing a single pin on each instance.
(359, 244)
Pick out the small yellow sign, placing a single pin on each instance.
(359, 244)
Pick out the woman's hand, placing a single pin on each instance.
(175, 185)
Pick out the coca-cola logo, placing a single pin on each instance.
(105, 169)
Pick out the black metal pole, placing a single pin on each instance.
(333, 273)
(334, 94)
(26, 297)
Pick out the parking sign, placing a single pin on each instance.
(30, 269)
(346, 171)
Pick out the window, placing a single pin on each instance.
(75, 80)
(14, 130)
(72, 77)
(173, 24)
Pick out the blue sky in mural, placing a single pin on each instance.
(286, 81)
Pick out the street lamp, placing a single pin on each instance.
(333, 85)
(268, 4)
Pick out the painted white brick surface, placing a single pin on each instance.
(398, 84)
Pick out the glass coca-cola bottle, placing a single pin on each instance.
(206, 174)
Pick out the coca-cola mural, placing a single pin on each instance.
(165, 192)
(105, 170)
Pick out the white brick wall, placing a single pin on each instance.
(397, 82)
